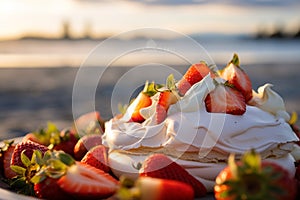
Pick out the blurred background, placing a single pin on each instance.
(44, 42)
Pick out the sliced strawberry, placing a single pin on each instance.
(97, 157)
(161, 166)
(194, 74)
(147, 188)
(49, 189)
(85, 143)
(166, 98)
(236, 76)
(142, 101)
(225, 99)
(28, 148)
(87, 182)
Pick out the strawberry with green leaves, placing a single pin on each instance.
(166, 98)
(26, 148)
(143, 100)
(236, 76)
(252, 178)
(52, 137)
(225, 99)
(161, 166)
(170, 95)
(147, 188)
(56, 175)
(39, 173)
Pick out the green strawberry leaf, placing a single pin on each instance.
(171, 82)
(66, 158)
(37, 157)
(19, 170)
(235, 60)
(252, 161)
(150, 89)
(25, 160)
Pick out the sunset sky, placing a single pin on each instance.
(105, 17)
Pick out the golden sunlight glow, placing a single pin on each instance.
(45, 17)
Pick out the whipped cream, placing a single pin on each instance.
(190, 128)
(270, 101)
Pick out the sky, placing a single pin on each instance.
(106, 17)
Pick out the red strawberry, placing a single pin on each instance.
(166, 98)
(87, 182)
(67, 142)
(147, 188)
(5, 155)
(236, 76)
(85, 143)
(225, 99)
(49, 189)
(194, 74)
(89, 123)
(97, 157)
(297, 178)
(31, 137)
(143, 100)
(254, 179)
(161, 166)
(28, 148)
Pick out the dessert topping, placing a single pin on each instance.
(225, 99)
(236, 76)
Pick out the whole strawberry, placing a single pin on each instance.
(28, 149)
(89, 123)
(97, 157)
(254, 179)
(67, 142)
(85, 143)
(161, 166)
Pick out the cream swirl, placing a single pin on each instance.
(270, 101)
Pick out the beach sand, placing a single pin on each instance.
(30, 97)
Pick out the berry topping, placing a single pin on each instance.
(225, 99)
(236, 76)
